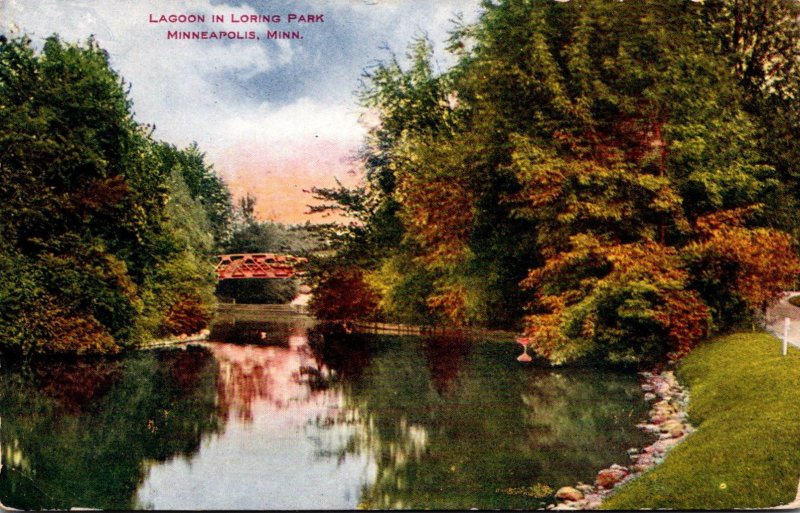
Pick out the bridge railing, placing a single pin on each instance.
(257, 265)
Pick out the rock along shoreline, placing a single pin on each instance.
(667, 418)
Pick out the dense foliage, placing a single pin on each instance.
(104, 232)
(625, 170)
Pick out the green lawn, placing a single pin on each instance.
(745, 404)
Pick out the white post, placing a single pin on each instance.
(786, 322)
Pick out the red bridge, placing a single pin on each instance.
(257, 265)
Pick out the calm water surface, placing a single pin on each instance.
(301, 418)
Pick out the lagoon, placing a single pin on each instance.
(287, 414)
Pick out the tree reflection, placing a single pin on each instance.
(277, 377)
(78, 384)
(246, 374)
(429, 423)
(83, 433)
(446, 357)
(451, 424)
(345, 354)
(264, 362)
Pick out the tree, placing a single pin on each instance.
(759, 39)
(645, 142)
(738, 270)
(102, 238)
(204, 186)
(582, 148)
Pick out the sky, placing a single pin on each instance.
(273, 116)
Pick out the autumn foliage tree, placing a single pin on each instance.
(616, 167)
(345, 295)
(643, 191)
(624, 302)
(740, 270)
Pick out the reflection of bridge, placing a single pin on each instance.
(257, 265)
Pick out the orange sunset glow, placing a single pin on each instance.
(277, 177)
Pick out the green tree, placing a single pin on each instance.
(103, 238)
(759, 39)
(203, 186)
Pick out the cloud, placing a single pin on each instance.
(181, 86)
(274, 113)
(274, 154)
(302, 120)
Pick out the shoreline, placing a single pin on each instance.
(200, 336)
(667, 418)
(743, 403)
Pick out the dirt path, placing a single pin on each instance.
(778, 312)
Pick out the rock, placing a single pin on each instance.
(661, 388)
(593, 502)
(662, 404)
(671, 434)
(670, 425)
(668, 443)
(645, 459)
(677, 432)
(663, 445)
(567, 506)
(662, 411)
(649, 397)
(568, 493)
(643, 464)
(609, 477)
(585, 488)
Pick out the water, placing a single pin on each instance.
(305, 419)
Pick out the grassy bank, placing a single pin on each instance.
(745, 402)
